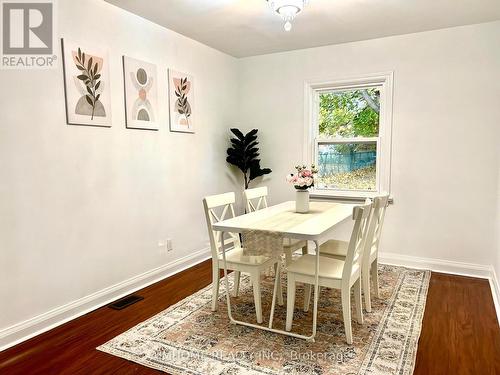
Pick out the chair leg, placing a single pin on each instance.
(236, 287)
(365, 279)
(257, 296)
(346, 312)
(358, 302)
(280, 290)
(307, 296)
(215, 287)
(290, 301)
(374, 274)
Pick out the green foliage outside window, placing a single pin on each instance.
(349, 113)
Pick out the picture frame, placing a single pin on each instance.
(181, 102)
(86, 84)
(140, 79)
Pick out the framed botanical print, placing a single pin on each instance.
(86, 84)
(181, 98)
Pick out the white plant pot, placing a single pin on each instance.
(302, 201)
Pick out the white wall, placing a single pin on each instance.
(83, 208)
(445, 143)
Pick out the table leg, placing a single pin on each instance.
(316, 292)
(234, 321)
(226, 280)
(275, 291)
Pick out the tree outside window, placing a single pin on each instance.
(348, 127)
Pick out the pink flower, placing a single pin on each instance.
(304, 178)
(306, 173)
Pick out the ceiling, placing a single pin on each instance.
(248, 27)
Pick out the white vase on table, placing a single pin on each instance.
(302, 201)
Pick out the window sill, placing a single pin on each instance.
(344, 196)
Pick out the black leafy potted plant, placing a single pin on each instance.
(244, 154)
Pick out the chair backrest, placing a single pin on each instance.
(218, 208)
(354, 257)
(256, 199)
(379, 207)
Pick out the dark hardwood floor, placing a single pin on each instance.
(460, 333)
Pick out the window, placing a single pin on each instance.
(349, 135)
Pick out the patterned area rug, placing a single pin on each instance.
(188, 338)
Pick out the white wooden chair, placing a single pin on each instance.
(369, 270)
(334, 273)
(256, 199)
(236, 261)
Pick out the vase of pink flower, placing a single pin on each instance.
(302, 181)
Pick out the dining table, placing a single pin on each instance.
(318, 225)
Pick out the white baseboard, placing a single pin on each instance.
(27, 329)
(437, 265)
(451, 267)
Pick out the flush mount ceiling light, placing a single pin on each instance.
(287, 10)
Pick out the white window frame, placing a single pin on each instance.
(384, 81)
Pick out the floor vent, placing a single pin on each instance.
(125, 302)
